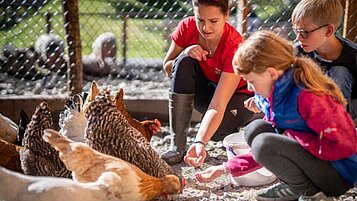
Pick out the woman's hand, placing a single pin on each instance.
(196, 52)
(168, 68)
(211, 173)
(195, 155)
(250, 105)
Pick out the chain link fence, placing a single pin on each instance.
(121, 40)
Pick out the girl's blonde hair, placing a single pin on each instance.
(319, 12)
(266, 49)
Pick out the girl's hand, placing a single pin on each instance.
(211, 173)
(196, 52)
(250, 105)
(195, 155)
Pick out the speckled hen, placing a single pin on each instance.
(109, 132)
(38, 157)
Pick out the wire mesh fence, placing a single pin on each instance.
(120, 39)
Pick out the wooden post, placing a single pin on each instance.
(75, 74)
(350, 20)
(242, 16)
(49, 21)
(124, 38)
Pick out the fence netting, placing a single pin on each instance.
(122, 40)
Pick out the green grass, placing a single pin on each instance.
(266, 12)
(145, 37)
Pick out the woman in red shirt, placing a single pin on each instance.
(199, 63)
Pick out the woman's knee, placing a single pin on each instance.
(184, 74)
(255, 128)
(184, 66)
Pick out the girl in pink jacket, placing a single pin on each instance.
(307, 138)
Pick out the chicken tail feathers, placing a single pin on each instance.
(57, 140)
(119, 100)
(93, 92)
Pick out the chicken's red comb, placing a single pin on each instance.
(157, 122)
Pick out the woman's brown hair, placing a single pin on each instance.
(222, 4)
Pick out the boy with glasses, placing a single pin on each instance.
(315, 23)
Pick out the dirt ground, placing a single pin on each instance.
(151, 84)
(220, 189)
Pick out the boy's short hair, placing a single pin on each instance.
(319, 12)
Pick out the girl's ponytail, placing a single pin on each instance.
(309, 74)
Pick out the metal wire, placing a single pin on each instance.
(121, 39)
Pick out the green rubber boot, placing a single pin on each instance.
(180, 112)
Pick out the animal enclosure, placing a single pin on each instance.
(54, 48)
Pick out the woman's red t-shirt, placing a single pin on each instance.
(186, 34)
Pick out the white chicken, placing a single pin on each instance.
(18, 187)
(72, 121)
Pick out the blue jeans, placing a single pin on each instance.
(344, 80)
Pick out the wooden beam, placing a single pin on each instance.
(139, 109)
(350, 20)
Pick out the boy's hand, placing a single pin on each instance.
(211, 173)
(250, 105)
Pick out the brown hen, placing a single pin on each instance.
(147, 127)
(10, 156)
(87, 165)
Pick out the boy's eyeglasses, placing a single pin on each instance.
(305, 34)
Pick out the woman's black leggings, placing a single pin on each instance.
(188, 78)
(291, 163)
